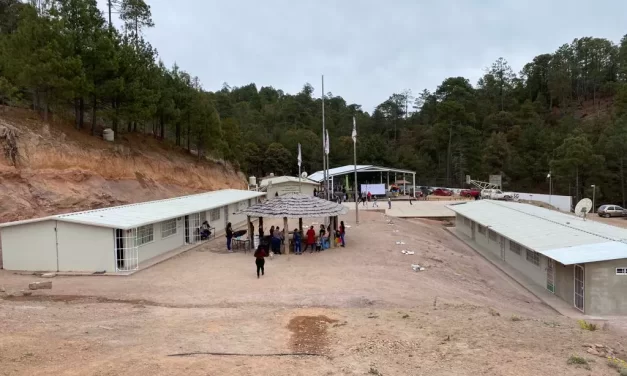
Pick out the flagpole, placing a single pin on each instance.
(329, 178)
(355, 164)
(324, 159)
(300, 158)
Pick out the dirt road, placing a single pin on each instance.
(353, 311)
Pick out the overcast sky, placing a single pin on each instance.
(367, 49)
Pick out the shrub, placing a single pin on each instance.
(583, 324)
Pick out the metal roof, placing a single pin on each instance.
(135, 215)
(319, 175)
(543, 230)
(286, 179)
(589, 253)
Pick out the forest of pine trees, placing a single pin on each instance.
(564, 112)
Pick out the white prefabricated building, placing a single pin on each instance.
(120, 238)
(282, 185)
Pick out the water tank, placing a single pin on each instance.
(107, 134)
(252, 181)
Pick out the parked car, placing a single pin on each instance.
(470, 192)
(442, 192)
(426, 191)
(611, 211)
(497, 194)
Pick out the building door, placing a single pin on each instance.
(579, 287)
(226, 216)
(550, 276)
(187, 229)
(126, 250)
(502, 248)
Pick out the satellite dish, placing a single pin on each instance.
(304, 175)
(583, 208)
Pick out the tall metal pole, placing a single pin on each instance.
(324, 152)
(594, 191)
(550, 188)
(356, 185)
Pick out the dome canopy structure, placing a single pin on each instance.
(295, 206)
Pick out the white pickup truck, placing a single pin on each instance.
(497, 194)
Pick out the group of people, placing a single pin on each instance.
(320, 241)
(314, 242)
(370, 197)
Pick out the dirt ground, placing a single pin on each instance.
(359, 310)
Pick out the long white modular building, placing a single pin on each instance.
(118, 239)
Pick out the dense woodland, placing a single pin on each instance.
(564, 112)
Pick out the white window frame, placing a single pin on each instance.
(167, 229)
(214, 214)
(534, 256)
(144, 233)
(515, 247)
(621, 271)
(496, 236)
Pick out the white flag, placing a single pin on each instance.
(300, 158)
(326, 145)
(354, 130)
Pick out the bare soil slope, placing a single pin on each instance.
(57, 169)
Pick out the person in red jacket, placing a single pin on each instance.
(260, 261)
(311, 239)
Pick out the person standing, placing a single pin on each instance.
(311, 239)
(374, 202)
(297, 242)
(229, 236)
(369, 195)
(321, 234)
(342, 232)
(390, 202)
(260, 261)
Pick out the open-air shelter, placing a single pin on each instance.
(294, 206)
(372, 174)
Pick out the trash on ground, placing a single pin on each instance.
(417, 268)
(400, 243)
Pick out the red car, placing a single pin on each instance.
(470, 193)
(442, 192)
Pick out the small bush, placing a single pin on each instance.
(623, 372)
(618, 364)
(516, 318)
(578, 361)
(374, 371)
(583, 324)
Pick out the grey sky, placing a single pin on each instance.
(367, 49)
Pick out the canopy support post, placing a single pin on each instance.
(331, 233)
(251, 235)
(300, 225)
(286, 248)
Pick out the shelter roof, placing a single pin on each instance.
(295, 206)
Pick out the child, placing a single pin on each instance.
(318, 244)
(374, 202)
(390, 202)
(297, 245)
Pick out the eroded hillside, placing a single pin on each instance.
(54, 168)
